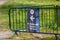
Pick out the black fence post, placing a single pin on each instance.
(55, 38)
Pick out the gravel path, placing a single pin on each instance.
(42, 35)
(5, 35)
(2, 2)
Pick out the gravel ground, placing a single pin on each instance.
(2, 2)
(5, 35)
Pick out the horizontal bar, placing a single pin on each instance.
(38, 8)
(26, 6)
(34, 32)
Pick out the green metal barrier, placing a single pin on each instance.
(49, 16)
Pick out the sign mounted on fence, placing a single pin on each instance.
(33, 20)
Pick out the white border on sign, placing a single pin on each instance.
(31, 11)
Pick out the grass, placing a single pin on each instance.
(3, 21)
(48, 38)
(33, 2)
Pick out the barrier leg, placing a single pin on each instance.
(55, 38)
(16, 33)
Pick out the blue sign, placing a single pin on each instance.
(33, 20)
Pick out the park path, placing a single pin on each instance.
(4, 35)
(2, 2)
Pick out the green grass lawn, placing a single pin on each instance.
(33, 2)
(4, 21)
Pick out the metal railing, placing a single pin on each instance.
(49, 17)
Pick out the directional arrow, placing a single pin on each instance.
(32, 18)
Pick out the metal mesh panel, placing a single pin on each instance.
(49, 19)
(18, 19)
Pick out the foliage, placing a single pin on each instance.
(48, 38)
